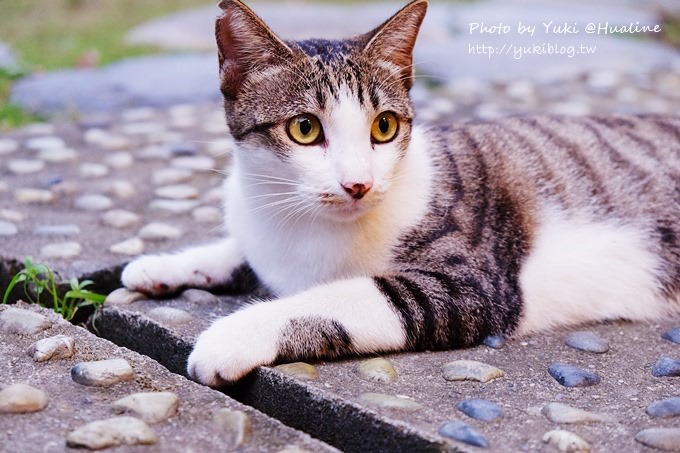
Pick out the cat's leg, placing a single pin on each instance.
(336, 319)
(204, 266)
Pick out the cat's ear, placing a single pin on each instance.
(244, 44)
(393, 41)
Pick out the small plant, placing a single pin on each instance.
(41, 286)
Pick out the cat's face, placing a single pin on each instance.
(322, 125)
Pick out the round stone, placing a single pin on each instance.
(377, 370)
(177, 192)
(38, 129)
(173, 206)
(570, 108)
(120, 219)
(4, 187)
(93, 202)
(123, 296)
(110, 433)
(57, 230)
(138, 114)
(11, 216)
(152, 407)
(470, 370)
(142, 128)
(566, 441)
(199, 163)
(102, 373)
(8, 146)
(672, 335)
(8, 228)
(57, 155)
(199, 296)
(170, 316)
(25, 166)
(63, 250)
(207, 214)
(92, 170)
(120, 159)
(215, 195)
(494, 341)
(159, 232)
(121, 189)
(23, 322)
(666, 367)
(56, 347)
(299, 370)
(587, 341)
(520, 89)
(179, 149)
(220, 148)
(129, 247)
(390, 402)
(47, 142)
(34, 196)
(462, 432)
(21, 399)
(670, 407)
(667, 439)
(167, 176)
(154, 152)
(563, 413)
(234, 425)
(480, 409)
(571, 376)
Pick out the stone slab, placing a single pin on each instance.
(331, 408)
(72, 405)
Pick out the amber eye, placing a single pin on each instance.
(385, 127)
(305, 129)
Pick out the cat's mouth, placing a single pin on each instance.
(341, 208)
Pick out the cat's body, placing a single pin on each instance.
(382, 236)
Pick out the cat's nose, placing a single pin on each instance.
(357, 190)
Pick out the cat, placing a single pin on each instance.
(377, 234)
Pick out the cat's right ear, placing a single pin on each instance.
(244, 44)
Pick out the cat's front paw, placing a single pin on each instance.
(155, 275)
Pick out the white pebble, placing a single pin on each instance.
(34, 196)
(48, 142)
(25, 166)
(22, 398)
(207, 214)
(121, 189)
(177, 192)
(56, 347)
(11, 216)
(111, 432)
(65, 250)
(130, 247)
(57, 155)
(8, 228)
(166, 176)
(123, 296)
(120, 160)
(174, 206)
(566, 441)
(91, 170)
(221, 147)
(152, 407)
(200, 163)
(93, 202)
(119, 218)
(24, 322)
(159, 231)
(102, 373)
(8, 146)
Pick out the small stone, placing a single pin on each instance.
(142, 128)
(494, 341)
(563, 413)
(672, 335)
(462, 432)
(102, 373)
(4, 187)
(119, 159)
(571, 376)
(587, 341)
(21, 399)
(390, 402)
(8, 228)
(123, 296)
(48, 142)
(129, 247)
(667, 439)
(207, 214)
(38, 129)
(222, 147)
(137, 114)
(159, 232)
(19, 321)
(8, 146)
(93, 202)
(120, 219)
(57, 155)
(566, 441)
(199, 296)
(166, 176)
(480, 409)
(152, 407)
(199, 163)
(377, 370)
(104, 139)
(570, 108)
(670, 407)
(110, 433)
(179, 149)
(155, 152)
(25, 166)
(666, 367)
(57, 230)
(234, 425)
(11, 216)
(91, 170)
(293, 449)
(57, 347)
(170, 316)
(34, 196)
(215, 195)
(121, 189)
(470, 370)
(173, 206)
(177, 192)
(64, 250)
(299, 370)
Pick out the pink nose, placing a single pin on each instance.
(357, 190)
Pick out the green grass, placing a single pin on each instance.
(671, 30)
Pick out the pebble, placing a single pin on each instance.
(221, 147)
(121, 189)
(63, 250)
(470, 370)
(11, 216)
(129, 247)
(587, 341)
(137, 114)
(199, 296)
(34, 196)
(480, 409)
(8, 228)
(47, 142)
(25, 322)
(106, 139)
(142, 128)
(154, 152)
(666, 367)
(110, 433)
(170, 316)
(207, 214)
(38, 129)
(571, 376)
(180, 149)
(494, 341)
(119, 218)
(234, 425)
(56, 347)
(667, 439)
(8, 146)
(57, 155)
(672, 335)
(390, 402)
(102, 373)
(91, 170)
(377, 370)
(215, 195)
(566, 441)
(159, 232)
(93, 202)
(563, 413)
(670, 407)
(299, 370)
(57, 230)
(4, 187)
(173, 206)
(21, 399)
(25, 166)
(166, 176)
(199, 163)
(463, 432)
(123, 296)
(177, 192)
(152, 407)
(119, 159)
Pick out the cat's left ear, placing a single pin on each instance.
(393, 41)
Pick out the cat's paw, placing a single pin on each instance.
(159, 275)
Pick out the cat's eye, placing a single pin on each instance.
(385, 127)
(305, 129)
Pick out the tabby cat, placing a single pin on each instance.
(378, 234)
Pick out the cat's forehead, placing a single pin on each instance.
(326, 50)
